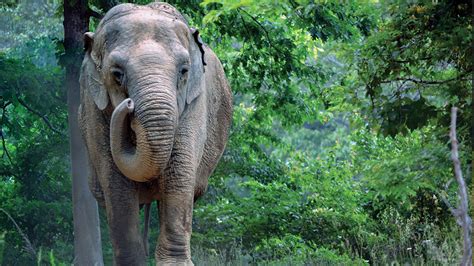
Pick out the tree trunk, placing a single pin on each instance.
(87, 241)
(472, 124)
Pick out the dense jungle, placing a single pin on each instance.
(339, 151)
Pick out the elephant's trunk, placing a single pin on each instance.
(152, 126)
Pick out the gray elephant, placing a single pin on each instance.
(155, 114)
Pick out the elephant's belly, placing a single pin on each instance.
(148, 192)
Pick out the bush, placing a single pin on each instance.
(311, 203)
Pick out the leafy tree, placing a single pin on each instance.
(35, 183)
(338, 152)
(419, 64)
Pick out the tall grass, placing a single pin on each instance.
(432, 246)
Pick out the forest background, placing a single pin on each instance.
(339, 150)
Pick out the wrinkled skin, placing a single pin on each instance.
(155, 113)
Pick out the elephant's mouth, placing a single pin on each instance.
(140, 141)
(132, 136)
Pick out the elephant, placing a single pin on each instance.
(155, 113)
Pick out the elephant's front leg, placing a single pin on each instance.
(176, 209)
(122, 205)
(175, 229)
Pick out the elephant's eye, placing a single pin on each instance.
(184, 70)
(183, 76)
(118, 75)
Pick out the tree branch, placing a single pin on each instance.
(29, 246)
(297, 12)
(451, 209)
(106, 5)
(5, 147)
(94, 14)
(428, 82)
(244, 23)
(262, 27)
(1, 133)
(258, 23)
(44, 117)
(412, 61)
(462, 210)
(454, 212)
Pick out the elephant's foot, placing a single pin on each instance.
(174, 263)
(175, 255)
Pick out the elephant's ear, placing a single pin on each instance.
(196, 78)
(90, 74)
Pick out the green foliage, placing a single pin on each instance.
(412, 240)
(49, 259)
(418, 65)
(30, 29)
(35, 184)
(396, 169)
(271, 58)
(301, 253)
(338, 153)
(2, 245)
(303, 201)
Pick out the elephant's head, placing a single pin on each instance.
(145, 64)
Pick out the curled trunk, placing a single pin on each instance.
(141, 136)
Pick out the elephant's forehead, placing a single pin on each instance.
(143, 25)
